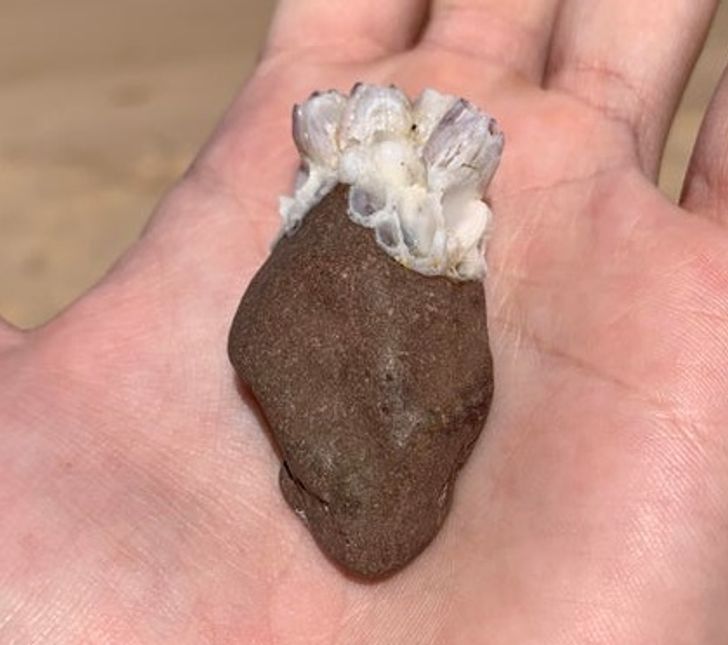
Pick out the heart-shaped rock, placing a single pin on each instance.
(375, 379)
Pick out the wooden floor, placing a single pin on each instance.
(103, 105)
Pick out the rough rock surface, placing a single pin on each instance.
(375, 380)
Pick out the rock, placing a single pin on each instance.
(375, 381)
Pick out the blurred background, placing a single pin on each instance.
(105, 102)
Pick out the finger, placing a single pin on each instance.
(706, 183)
(345, 29)
(513, 36)
(9, 335)
(630, 61)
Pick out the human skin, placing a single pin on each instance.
(138, 490)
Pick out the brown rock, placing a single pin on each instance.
(375, 380)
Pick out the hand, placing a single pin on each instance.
(138, 490)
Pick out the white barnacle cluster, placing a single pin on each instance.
(417, 172)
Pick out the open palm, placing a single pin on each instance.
(138, 489)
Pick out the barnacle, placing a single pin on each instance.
(417, 172)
